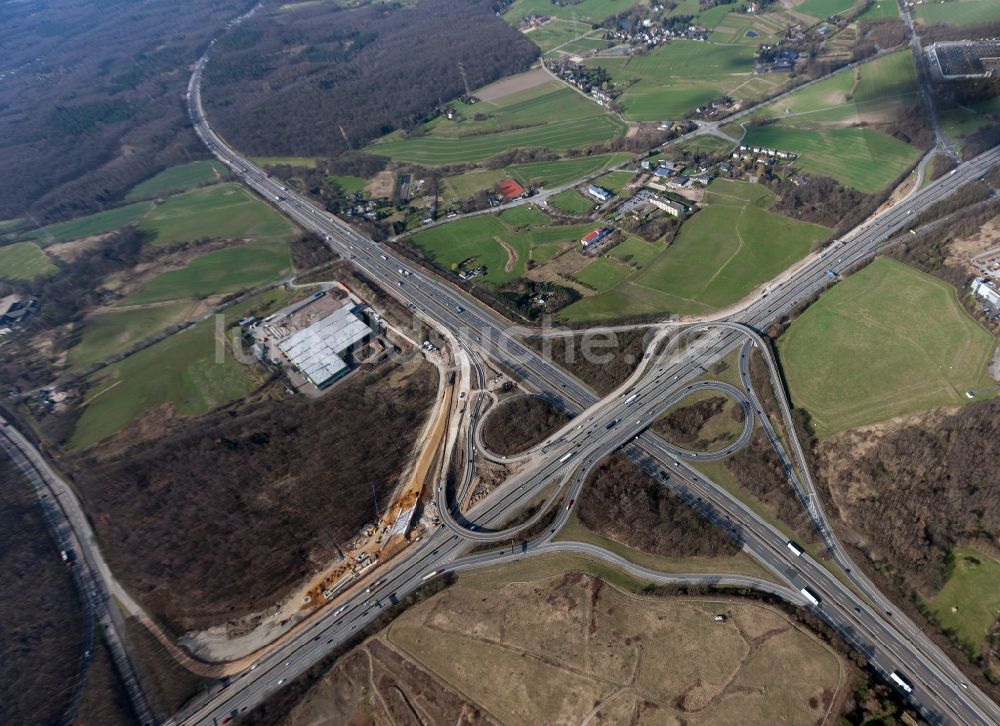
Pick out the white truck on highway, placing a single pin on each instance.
(796, 550)
(631, 398)
(567, 457)
(900, 680)
(809, 595)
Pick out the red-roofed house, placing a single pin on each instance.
(593, 237)
(510, 189)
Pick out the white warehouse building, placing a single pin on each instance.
(317, 350)
(986, 291)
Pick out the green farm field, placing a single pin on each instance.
(110, 332)
(864, 159)
(572, 202)
(463, 186)
(592, 10)
(562, 171)
(348, 184)
(886, 341)
(973, 590)
(559, 119)
(676, 78)
(602, 274)
(180, 373)
(958, 12)
(224, 211)
(477, 241)
(524, 216)
(877, 90)
(721, 254)
(24, 261)
(822, 9)
(99, 223)
(227, 270)
(880, 10)
(179, 179)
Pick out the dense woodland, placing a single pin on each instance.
(298, 83)
(622, 502)
(222, 515)
(520, 423)
(92, 98)
(42, 628)
(608, 366)
(915, 493)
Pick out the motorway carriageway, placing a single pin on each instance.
(440, 298)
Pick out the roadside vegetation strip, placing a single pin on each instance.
(224, 211)
(861, 158)
(24, 261)
(887, 341)
(179, 178)
(227, 270)
(99, 223)
(721, 254)
(969, 601)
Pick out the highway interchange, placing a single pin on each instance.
(556, 470)
(848, 601)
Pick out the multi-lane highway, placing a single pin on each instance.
(889, 641)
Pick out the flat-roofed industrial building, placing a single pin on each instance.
(317, 351)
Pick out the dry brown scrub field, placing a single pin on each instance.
(574, 649)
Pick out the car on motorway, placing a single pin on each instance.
(569, 504)
(339, 610)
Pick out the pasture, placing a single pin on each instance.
(112, 331)
(588, 10)
(676, 78)
(347, 184)
(875, 91)
(572, 202)
(602, 274)
(822, 9)
(485, 240)
(958, 12)
(886, 341)
(880, 10)
(721, 254)
(178, 179)
(228, 270)
(561, 171)
(99, 223)
(558, 119)
(969, 602)
(526, 215)
(186, 374)
(24, 261)
(864, 159)
(224, 211)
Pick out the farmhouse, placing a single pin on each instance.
(599, 193)
(594, 237)
(510, 189)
